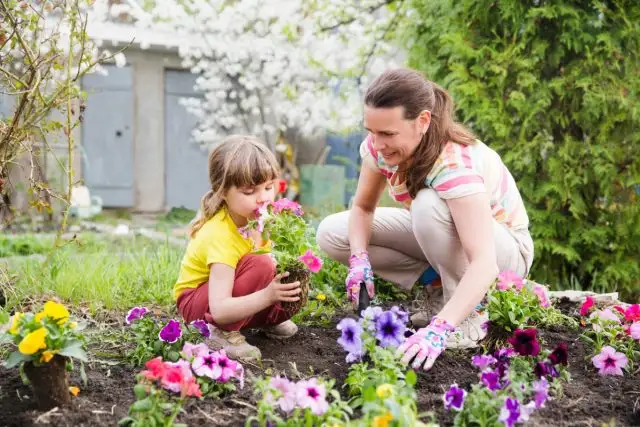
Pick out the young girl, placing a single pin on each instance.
(221, 280)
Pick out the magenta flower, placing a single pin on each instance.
(286, 204)
(510, 413)
(509, 279)
(631, 312)
(541, 390)
(202, 327)
(225, 368)
(542, 293)
(205, 365)
(310, 394)
(454, 398)
(313, 263)
(483, 361)
(586, 306)
(171, 332)
(135, 313)
(491, 380)
(176, 375)
(634, 331)
(610, 361)
(389, 330)
(287, 402)
(525, 342)
(190, 351)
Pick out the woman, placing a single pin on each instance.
(463, 215)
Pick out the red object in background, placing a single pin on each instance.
(282, 186)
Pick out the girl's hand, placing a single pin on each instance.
(360, 273)
(283, 291)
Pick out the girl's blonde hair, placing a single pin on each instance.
(241, 161)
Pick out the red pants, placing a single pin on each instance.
(253, 273)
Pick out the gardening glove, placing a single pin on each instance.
(359, 272)
(426, 344)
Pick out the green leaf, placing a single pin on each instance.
(74, 349)
(16, 358)
(411, 378)
(143, 405)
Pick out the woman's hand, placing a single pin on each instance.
(359, 272)
(427, 344)
(283, 291)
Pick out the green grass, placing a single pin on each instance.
(111, 274)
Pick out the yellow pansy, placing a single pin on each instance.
(74, 390)
(47, 356)
(39, 316)
(33, 342)
(56, 311)
(14, 325)
(321, 297)
(382, 420)
(384, 390)
(73, 325)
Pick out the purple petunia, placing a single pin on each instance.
(525, 342)
(350, 339)
(491, 379)
(171, 332)
(202, 327)
(402, 315)
(370, 316)
(483, 361)
(135, 313)
(510, 412)
(389, 330)
(541, 390)
(454, 398)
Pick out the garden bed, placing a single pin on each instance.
(589, 399)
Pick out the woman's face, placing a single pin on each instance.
(394, 137)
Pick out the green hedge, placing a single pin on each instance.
(553, 87)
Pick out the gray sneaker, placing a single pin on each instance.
(234, 344)
(284, 330)
(470, 331)
(432, 302)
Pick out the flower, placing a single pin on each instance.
(135, 313)
(390, 331)
(313, 263)
(402, 315)
(190, 351)
(56, 311)
(610, 361)
(509, 279)
(600, 316)
(510, 412)
(33, 342)
(634, 330)
(526, 411)
(350, 339)
(370, 316)
(225, 368)
(541, 390)
(286, 204)
(586, 306)
(310, 394)
(542, 293)
(287, 402)
(175, 375)
(202, 327)
(384, 390)
(525, 342)
(491, 380)
(382, 420)
(631, 312)
(15, 322)
(321, 297)
(483, 361)
(155, 369)
(74, 390)
(454, 398)
(559, 355)
(282, 186)
(204, 365)
(47, 355)
(171, 332)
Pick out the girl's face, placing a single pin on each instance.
(243, 201)
(394, 137)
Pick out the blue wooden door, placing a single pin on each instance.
(107, 136)
(186, 175)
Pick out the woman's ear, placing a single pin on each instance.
(424, 119)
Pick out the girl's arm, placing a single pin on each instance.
(371, 184)
(226, 309)
(474, 223)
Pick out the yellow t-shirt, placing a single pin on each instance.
(218, 241)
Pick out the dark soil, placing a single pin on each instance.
(589, 400)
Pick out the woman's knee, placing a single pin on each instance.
(331, 234)
(429, 214)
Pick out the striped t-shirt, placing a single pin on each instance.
(461, 170)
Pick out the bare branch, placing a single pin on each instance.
(355, 17)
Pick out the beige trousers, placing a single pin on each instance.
(404, 243)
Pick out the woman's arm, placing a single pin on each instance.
(474, 223)
(226, 309)
(371, 184)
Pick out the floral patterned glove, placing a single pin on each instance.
(426, 344)
(359, 272)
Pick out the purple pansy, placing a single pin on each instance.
(171, 332)
(135, 313)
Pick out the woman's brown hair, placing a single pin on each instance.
(241, 161)
(409, 89)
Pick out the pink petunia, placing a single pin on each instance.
(310, 394)
(287, 402)
(204, 365)
(630, 312)
(509, 279)
(600, 316)
(610, 361)
(313, 263)
(586, 306)
(286, 204)
(541, 292)
(191, 351)
(634, 331)
(225, 368)
(176, 375)
(155, 369)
